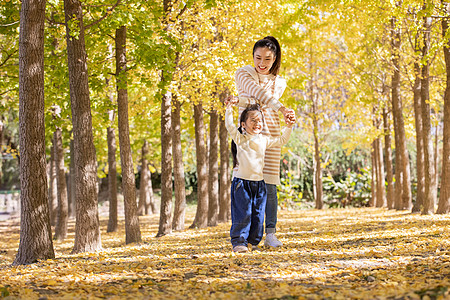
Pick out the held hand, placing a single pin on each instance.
(289, 115)
(231, 100)
(291, 120)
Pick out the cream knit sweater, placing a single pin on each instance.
(251, 149)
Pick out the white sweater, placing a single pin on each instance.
(251, 149)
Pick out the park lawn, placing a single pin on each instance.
(364, 253)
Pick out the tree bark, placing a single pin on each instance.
(35, 230)
(150, 207)
(132, 229)
(165, 216)
(72, 182)
(381, 183)
(388, 154)
(403, 185)
(444, 197)
(224, 199)
(178, 168)
(201, 216)
(143, 184)
(430, 177)
(53, 186)
(87, 227)
(112, 181)
(420, 196)
(213, 178)
(63, 209)
(373, 185)
(318, 191)
(112, 165)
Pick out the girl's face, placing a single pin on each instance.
(254, 122)
(263, 58)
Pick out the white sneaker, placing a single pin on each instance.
(240, 249)
(272, 241)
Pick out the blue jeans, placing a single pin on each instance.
(271, 208)
(248, 203)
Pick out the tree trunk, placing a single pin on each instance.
(150, 207)
(402, 158)
(381, 193)
(87, 227)
(224, 199)
(373, 185)
(112, 181)
(178, 168)
(430, 177)
(53, 187)
(63, 213)
(165, 216)
(72, 182)
(35, 230)
(444, 197)
(388, 154)
(418, 205)
(143, 184)
(112, 165)
(132, 229)
(213, 178)
(318, 195)
(201, 216)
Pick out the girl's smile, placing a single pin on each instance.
(254, 122)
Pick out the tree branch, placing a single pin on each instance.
(108, 11)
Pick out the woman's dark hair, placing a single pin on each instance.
(272, 44)
(243, 118)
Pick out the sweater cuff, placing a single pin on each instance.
(275, 104)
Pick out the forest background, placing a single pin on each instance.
(368, 81)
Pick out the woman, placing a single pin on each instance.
(261, 84)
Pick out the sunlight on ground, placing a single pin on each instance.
(336, 253)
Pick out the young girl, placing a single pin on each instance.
(248, 189)
(262, 84)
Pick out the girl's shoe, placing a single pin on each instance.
(240, 249)
(272, 241)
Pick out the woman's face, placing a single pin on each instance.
(263, 58)
(254, 122)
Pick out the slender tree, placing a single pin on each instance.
(403, 176)
(87, 227)
(35, 230)
(444, 197)
(112, 167)
(213, 178)
(430, 177)
(144, 182)
(224, 199)
(388, 155)
(420, 194)
(63, 213)
(53, 186)
(165, 216)
(132, 229)
(178, 168)
(201, 216)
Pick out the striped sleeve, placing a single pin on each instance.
(250, 87)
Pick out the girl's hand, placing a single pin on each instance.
(231, 100)
(291, 120)
(289, 114)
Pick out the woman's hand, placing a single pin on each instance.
(289, 115)
(231, 100)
